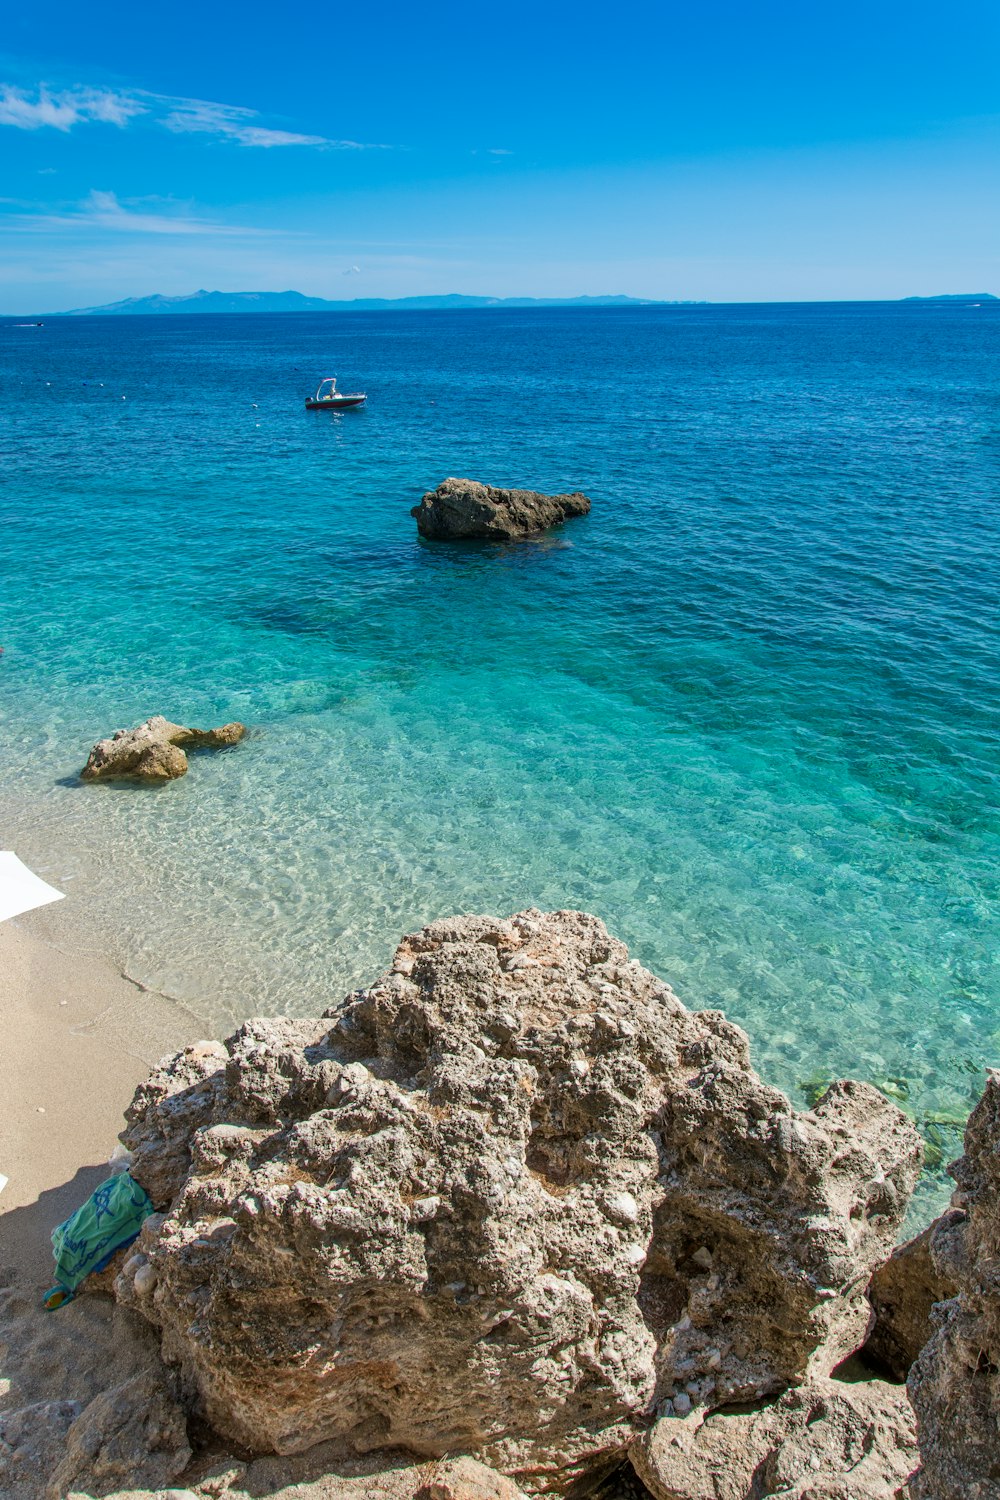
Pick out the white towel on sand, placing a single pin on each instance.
(20, 889)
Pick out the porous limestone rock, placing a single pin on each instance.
(32, 1440)
(955, 1383)
(463, 1479)
(53, 1367)
(152, 751)
(824, 1440)
(503, 1202)
(317, 1476)
(902, 1293)
(135, 1434)
(465, 508)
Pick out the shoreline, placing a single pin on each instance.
(78, 1036)
(81, 1062)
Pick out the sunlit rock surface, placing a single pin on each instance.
(824, 1440)
(153, 750)
(513, 1200)
(955, 1383)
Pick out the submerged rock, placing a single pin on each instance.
(955, 1383)
(152, 751)
(507, 1201)
(465, 508)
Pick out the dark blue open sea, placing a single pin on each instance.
(746, 711)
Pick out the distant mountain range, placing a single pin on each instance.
(283, 302)
(956, 297)
(270, 302)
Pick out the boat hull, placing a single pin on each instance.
(334, 403)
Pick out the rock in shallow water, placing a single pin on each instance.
(465, 508)
(152, 751)
(506, 1201)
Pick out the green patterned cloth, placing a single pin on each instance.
(111, 1217)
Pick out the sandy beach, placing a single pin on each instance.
(77, 1038)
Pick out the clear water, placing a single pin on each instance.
(745, 711)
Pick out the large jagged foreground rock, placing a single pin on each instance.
(508, 1201)
(955, 1384)
(464, 508)
(825, 1440)
(153, 750)
(903, 1292)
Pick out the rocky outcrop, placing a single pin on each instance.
(955, 1383)
(319, 1478)
(153, 750)
(32, 1442)
(132, 1436)
(825, 1440)
(464, 508)
(903, 1292)
(510, 1201)
(463, 1479)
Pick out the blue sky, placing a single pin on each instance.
(721, 151)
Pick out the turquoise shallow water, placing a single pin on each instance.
(745, 711)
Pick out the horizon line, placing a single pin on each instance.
(485, 300)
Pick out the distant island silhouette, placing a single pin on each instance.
(237, 302)
(955, 297)
(291, 301)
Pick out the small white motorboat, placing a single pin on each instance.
(328, 398)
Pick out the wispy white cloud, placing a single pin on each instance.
(231, 122)
(227, 121)
(102, 210)
(64, 109)
(352, 271)
(67, 108)
(499, 151)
